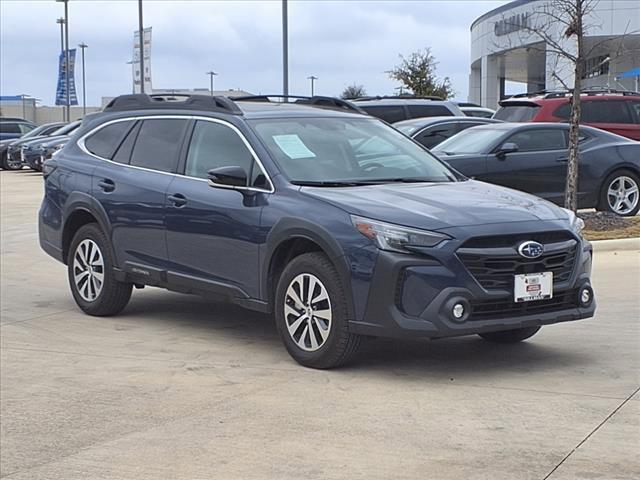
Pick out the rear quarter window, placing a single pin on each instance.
(106, 141)
(517, 113)
(9, 127)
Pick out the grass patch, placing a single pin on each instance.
(596, 229)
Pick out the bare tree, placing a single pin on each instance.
(353, 91)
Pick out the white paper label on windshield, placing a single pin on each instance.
(293, 147)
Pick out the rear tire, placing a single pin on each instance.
(510, 336)
(617, 193)
(91, 277)
(311, 313)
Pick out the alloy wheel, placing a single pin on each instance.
(307, 312)
(88, 270)
(622, 195)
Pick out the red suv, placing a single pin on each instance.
(614, 111)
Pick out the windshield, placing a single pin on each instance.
(66, 129)
(516, 113)
(35, 132)
(472, 140)
(407, 129)
(332, 150)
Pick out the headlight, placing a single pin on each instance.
(577, 224)
(396, 238)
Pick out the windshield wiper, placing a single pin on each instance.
(378, 181)
(328, 183)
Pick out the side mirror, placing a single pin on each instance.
(227, 177)
(508, 147)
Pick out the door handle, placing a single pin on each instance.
(562, 159)
(107, 185)
(178, 200)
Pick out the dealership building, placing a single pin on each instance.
(517, 42)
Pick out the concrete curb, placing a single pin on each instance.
(623, 244)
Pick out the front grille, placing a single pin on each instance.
(506, 307)
(494, 267)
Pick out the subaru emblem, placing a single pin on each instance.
(530, 249)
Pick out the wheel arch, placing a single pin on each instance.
(81, 210)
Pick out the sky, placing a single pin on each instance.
(340, 42)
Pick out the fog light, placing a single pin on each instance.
(585, 296)
(458, 310)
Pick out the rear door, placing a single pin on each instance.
(131, 187)
(539, 166)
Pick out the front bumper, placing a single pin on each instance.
(413, 296)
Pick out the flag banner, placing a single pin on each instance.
(61, 91)
(147, 60)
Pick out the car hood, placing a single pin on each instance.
(43, 140)
(434, 206)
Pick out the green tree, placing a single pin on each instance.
(417, 73)
(353, 91)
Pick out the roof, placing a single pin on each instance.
(500, 9)
(400, 101)
(253, 110)
(425, 121)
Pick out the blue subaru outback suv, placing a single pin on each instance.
(306, 208)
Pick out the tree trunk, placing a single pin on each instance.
(571, 189)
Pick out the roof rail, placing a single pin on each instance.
(142, 101)
(591, 91)
(399, 97)
(315, 101)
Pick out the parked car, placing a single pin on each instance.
(614, 111)
(11, 127)
(431, 131)
(334, 221)
(532, 157)
(38, 132)
(17, 151)
(404, 107)
(36, 155)
(480, 112)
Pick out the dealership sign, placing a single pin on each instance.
(511, 24)
(61, 91)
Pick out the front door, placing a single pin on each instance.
(539, 166)
(213, 234)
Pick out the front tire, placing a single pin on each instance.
(7, 164)
(620, 193)
(312, 314)
(510, 336)
(90, 271)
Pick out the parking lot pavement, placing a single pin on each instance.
(183, 388)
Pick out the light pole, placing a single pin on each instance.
(84, 84)
(60, 21)
(285, 50)
(66, 55)
(133, 76)
(211, 74)
(141, 40)
(313, 79)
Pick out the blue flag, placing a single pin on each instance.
(61, 91)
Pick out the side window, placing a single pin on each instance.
(26, 128)
(635, 108)
(563, 111)
(432, 136)
(158, 144)
(215, 145)
(537, 140)
(123, 153)
(606, 111)
(106, 141)
(390, 114)
(9, 127)
(418, 111)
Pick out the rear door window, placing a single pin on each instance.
(517, 113)
(606, 111)
(388, 113)
(106, 141)
(418, 111)
(158, 144)
(536, 140)
(635, 108)
(9, 127)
